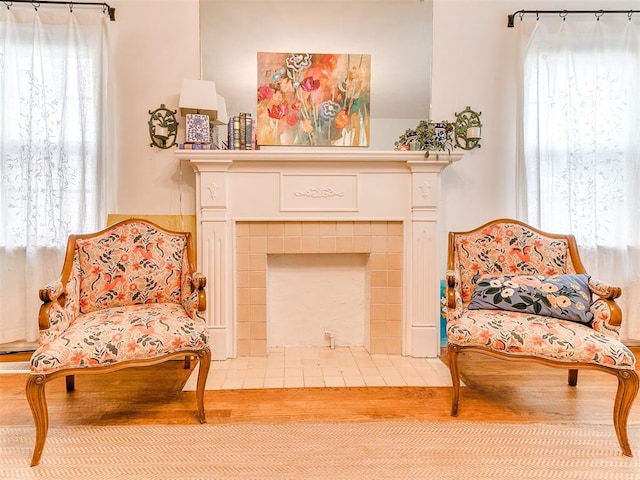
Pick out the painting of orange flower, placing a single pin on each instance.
(313, 99)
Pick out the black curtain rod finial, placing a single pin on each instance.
(510, 20)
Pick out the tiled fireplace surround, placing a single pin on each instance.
(380, 241)
(384, 205)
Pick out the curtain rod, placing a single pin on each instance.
(564, 13)
(106, 7)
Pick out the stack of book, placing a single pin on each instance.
(197, 146)
(241, 131)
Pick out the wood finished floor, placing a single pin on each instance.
(496, 391)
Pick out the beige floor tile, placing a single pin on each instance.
(313, 382)
(253, 383)
(312, 371)
(415, 380)
(356, 381)
(369, 371)
(337, 381)
(274, 372)
(294, 382)
(374, 381)
(394, 381)
(297, 367)
(293, 371)
(256, 372)
(331, 371)
(274, 382)
(350, 371)
(232, 384)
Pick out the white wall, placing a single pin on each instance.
(474, 63)
(156, 43)
(400, 63)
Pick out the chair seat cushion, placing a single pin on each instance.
(119, 334)
(539, 336)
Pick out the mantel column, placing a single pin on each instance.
(423, 309)
(215, 253)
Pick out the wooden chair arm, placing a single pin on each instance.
(452, 283)
(194, 297)
(199, 282)
(607, 315)
(604, 290)
(50, 294)
(51, 291)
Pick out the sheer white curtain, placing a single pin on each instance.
(52, 102)
(579, 162)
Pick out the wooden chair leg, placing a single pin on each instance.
(70, 381)
(573, 377)
(628, 385)
(452, 357)
(203, 372)
(38, 403)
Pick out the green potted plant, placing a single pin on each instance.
(428, 136)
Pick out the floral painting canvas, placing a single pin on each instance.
(313, 99)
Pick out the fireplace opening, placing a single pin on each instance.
(317, 300)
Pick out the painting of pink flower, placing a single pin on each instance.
(322, 99)
(278, 111)
(265, 92)
(310, 84)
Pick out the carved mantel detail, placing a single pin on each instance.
(425, 190)
(319, 192)
(213, 190)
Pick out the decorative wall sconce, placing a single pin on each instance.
(163, 127)
(467, 129)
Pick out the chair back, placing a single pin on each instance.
(509, 247)
(131, 262)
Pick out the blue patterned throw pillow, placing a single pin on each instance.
(561, 296)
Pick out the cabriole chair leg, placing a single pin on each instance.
(38, 403)
(452, 357)
(627, 390)
(205, 364)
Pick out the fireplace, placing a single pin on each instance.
(379, 246)
(378, 210)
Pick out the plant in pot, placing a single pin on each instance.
(428, 136)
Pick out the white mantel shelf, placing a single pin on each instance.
(312, 157)
(312, 184)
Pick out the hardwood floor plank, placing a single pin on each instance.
(498, 391)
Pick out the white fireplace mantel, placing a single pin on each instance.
(320, 185)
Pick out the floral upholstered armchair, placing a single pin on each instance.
(516, 292)
(127, 297)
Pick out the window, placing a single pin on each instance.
(52, 92)
(579, 161)
(578, 139)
